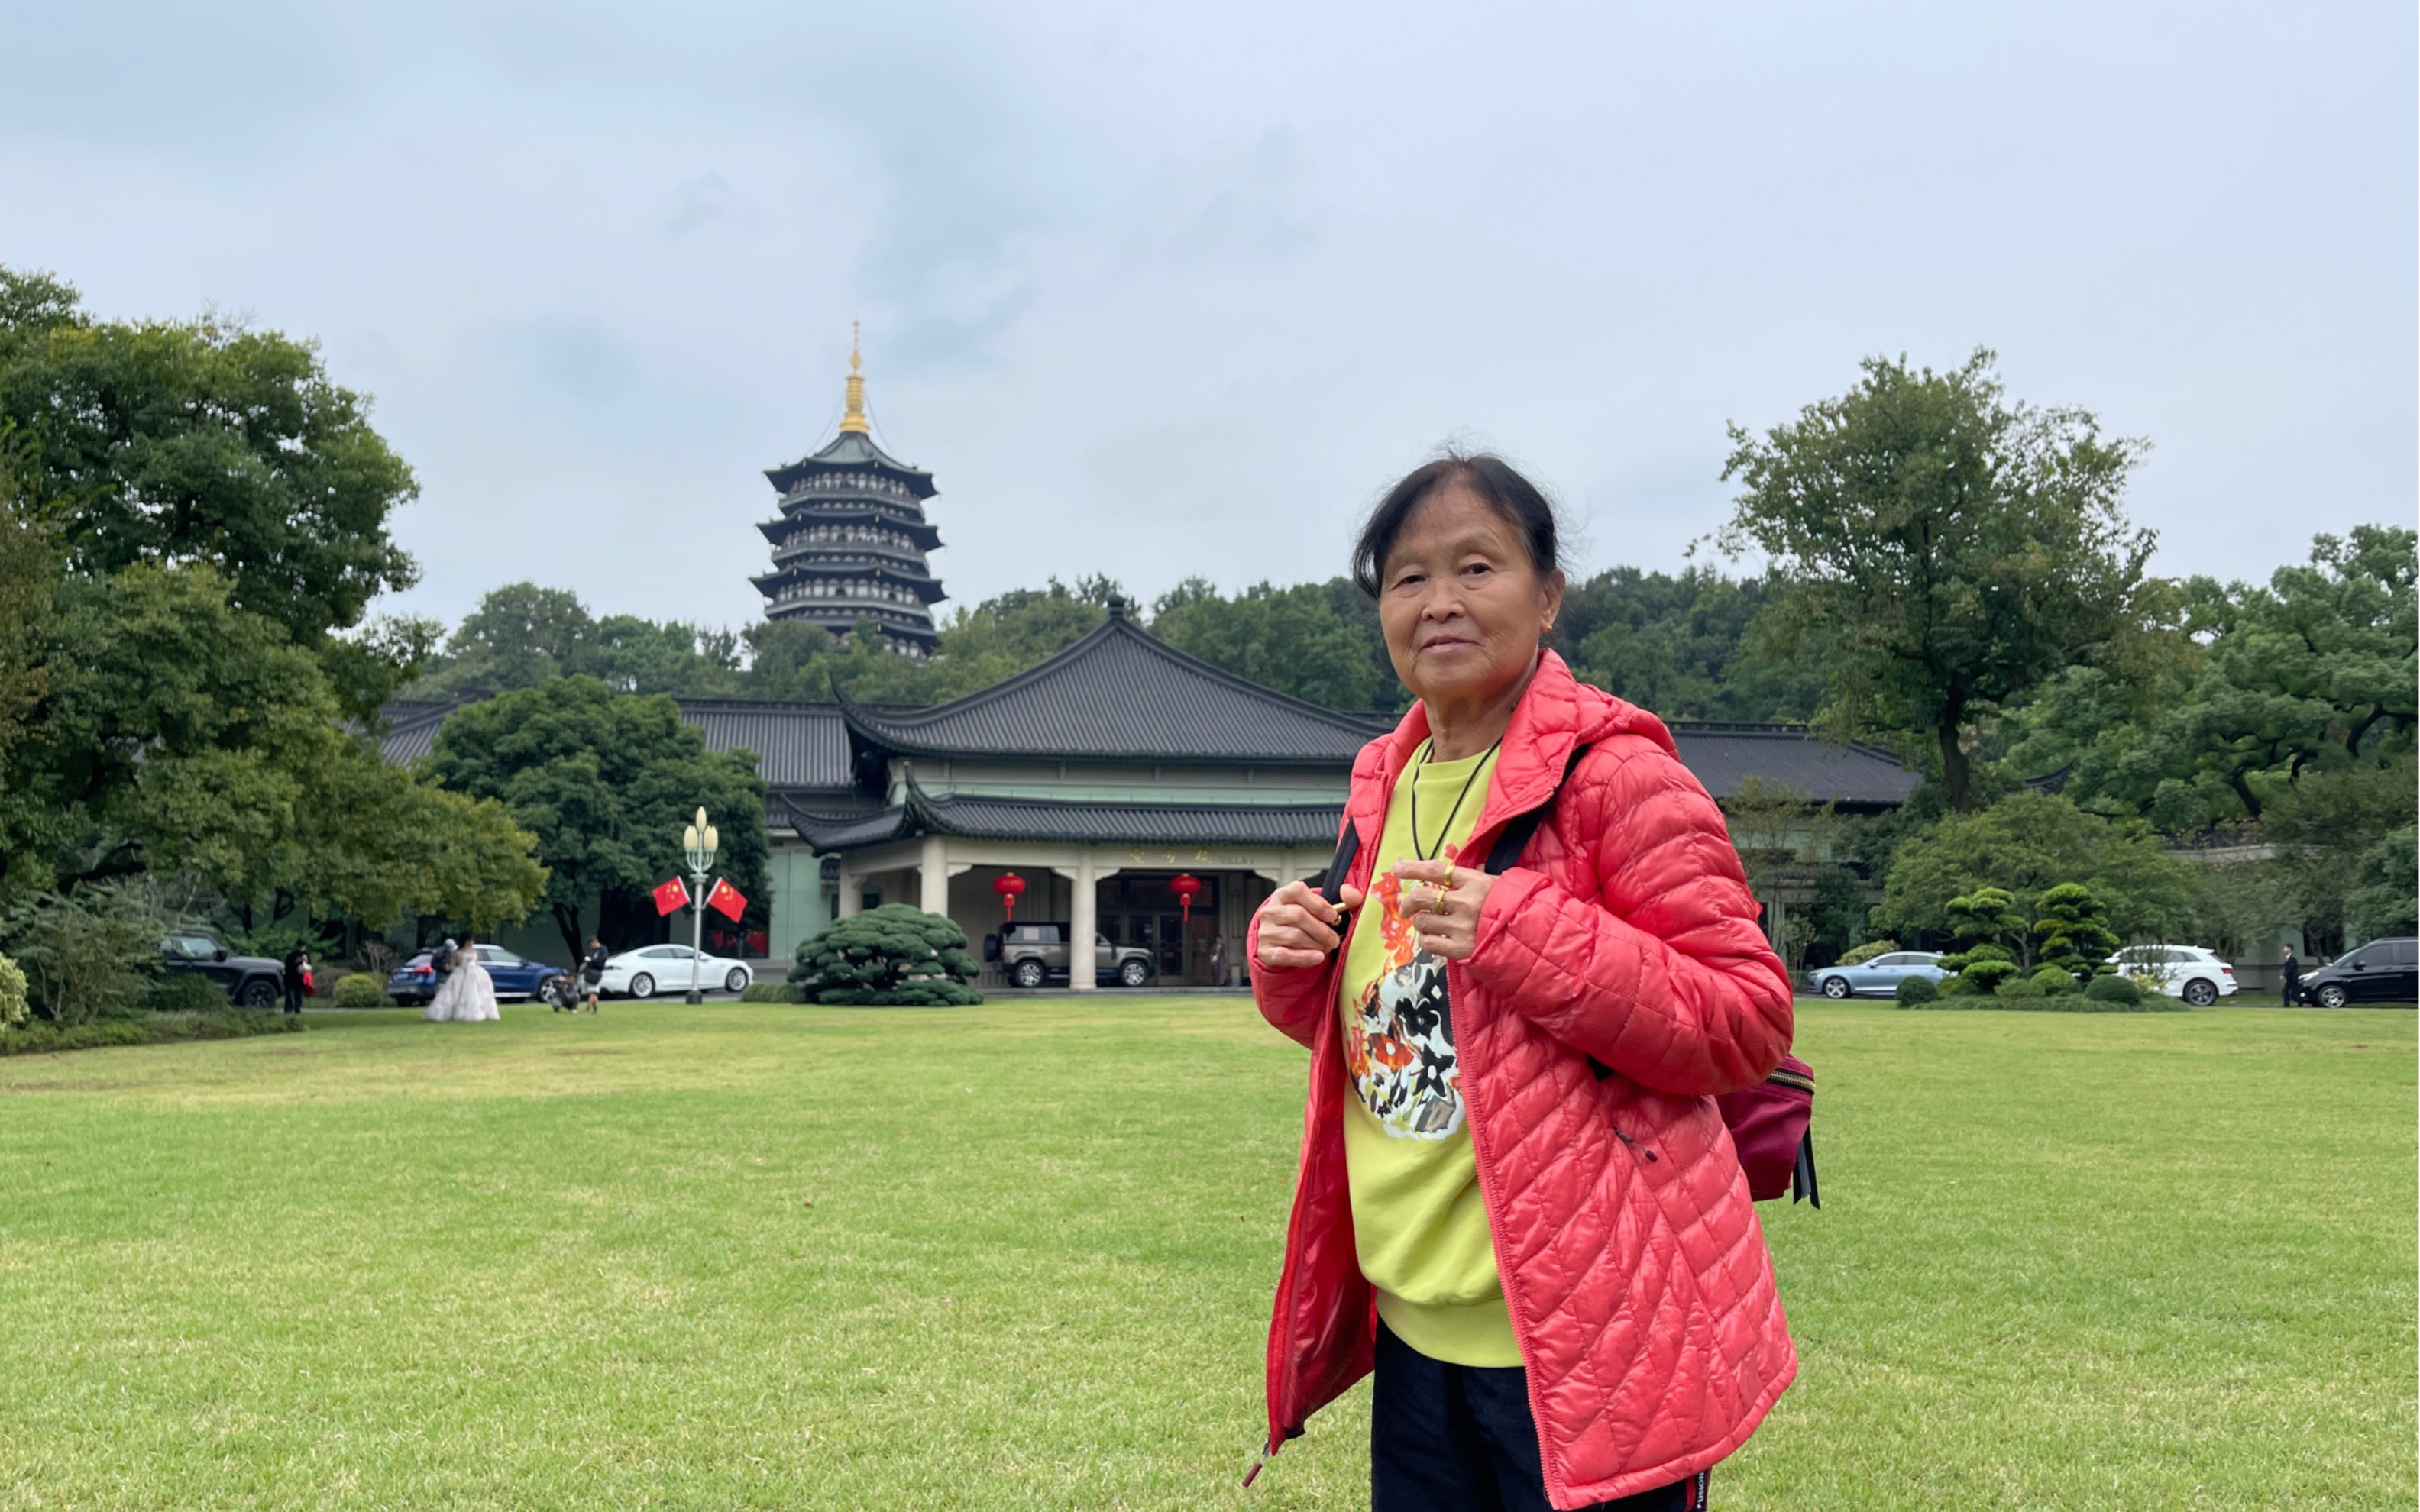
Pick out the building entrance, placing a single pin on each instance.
(1140, 910)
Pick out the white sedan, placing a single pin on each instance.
(666, 969)
(2186, 971)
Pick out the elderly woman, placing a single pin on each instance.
(1516, 1201)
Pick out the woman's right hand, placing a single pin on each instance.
(1297, 927)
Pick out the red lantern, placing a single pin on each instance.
(1009, 885)
(1184, 885)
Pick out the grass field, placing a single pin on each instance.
(1019, 1257)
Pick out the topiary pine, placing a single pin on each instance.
(1915, 992)
(891, 955)
(2070, 920)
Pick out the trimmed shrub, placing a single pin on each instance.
(2113, 990)
(2058, 982)
(771, 992)
(12, 994)
(2021, 987)
(1915, 992)
(187, 992)
(1984, 976)
(1956, 987)
(359, 989)
(89, 952)
(893, 955)
(1859, 955)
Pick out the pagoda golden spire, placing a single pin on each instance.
(855, 417)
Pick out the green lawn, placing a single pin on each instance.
(1019, 1257)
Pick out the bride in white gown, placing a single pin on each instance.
(469, 993)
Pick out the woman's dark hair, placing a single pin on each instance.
(1490, 477)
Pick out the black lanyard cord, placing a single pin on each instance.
(1428, 750)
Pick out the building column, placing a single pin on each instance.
(933, 877)
(1083, 916)
(849, 897)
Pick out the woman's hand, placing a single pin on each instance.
(1442, 901)
(1298, 927)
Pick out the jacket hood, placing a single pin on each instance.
(1557, 715)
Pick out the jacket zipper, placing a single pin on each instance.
(1792, 1078)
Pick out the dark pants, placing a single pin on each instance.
(293, 995)
(1458, 1438)
(2293, 990)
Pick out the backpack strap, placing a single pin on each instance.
(1515, 838)
(1347, 848)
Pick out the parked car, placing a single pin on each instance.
(415, 981)
(1033, 955)
(2186, 971)
(249, 980)
(1878, 977)
(665, 969)
(2382, 971)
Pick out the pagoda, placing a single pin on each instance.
(851, 539)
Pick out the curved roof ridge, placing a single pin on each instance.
(1116, 626)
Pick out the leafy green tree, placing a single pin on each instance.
(893, 955)
(605, 783)
(1678, 645)
(28, 566)
(87, 953)
(1288, 638)
(2024, 844)
(182, 737)
(2336, 835)
(1949, 550)
(203, 442)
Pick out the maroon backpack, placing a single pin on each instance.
(1769, 1122)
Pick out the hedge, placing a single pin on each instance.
(45, 1039)
(772, 992)
(359, 989)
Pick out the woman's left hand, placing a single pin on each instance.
(1442, 900)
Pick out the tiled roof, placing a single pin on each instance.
(411, 728)
(1122, 823)
(851, 452)
(1788, 756)
(1120, 693)
(829, 832)
(797, 745)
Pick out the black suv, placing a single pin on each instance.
(2382, 971)
(249, 980)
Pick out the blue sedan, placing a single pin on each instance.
(1880, 977)
(415, 981)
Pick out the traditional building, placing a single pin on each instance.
(852, 540)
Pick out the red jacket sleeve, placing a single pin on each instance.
(1663, 975)
(1291, 1001)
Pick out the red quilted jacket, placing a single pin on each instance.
(1619, 984)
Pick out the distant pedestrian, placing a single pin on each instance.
(592, 971)
(2293, 990)
(443, 961)
(1218, 960)
(298, 977)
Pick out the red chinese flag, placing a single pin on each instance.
(672, 897)
(725, 900)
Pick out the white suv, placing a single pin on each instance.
(2186, 971)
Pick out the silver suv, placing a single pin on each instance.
(1033, 955)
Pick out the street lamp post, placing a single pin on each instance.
(699, 840)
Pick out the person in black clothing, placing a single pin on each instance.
(2294, 979)
(592, 971)
(298, 966)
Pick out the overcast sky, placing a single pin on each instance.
(1157, 292)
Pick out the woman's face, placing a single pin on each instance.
(1462, 606)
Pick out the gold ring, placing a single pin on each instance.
(1449, 876)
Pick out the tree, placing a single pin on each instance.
(893, 955)
(1948, 550)
(1288, 638)
(2024, 844)
(2338, 836)
(181, 738)
(605, 783)
(27, 568)
(1678, 645)
(203, 442)
(2075, 936)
